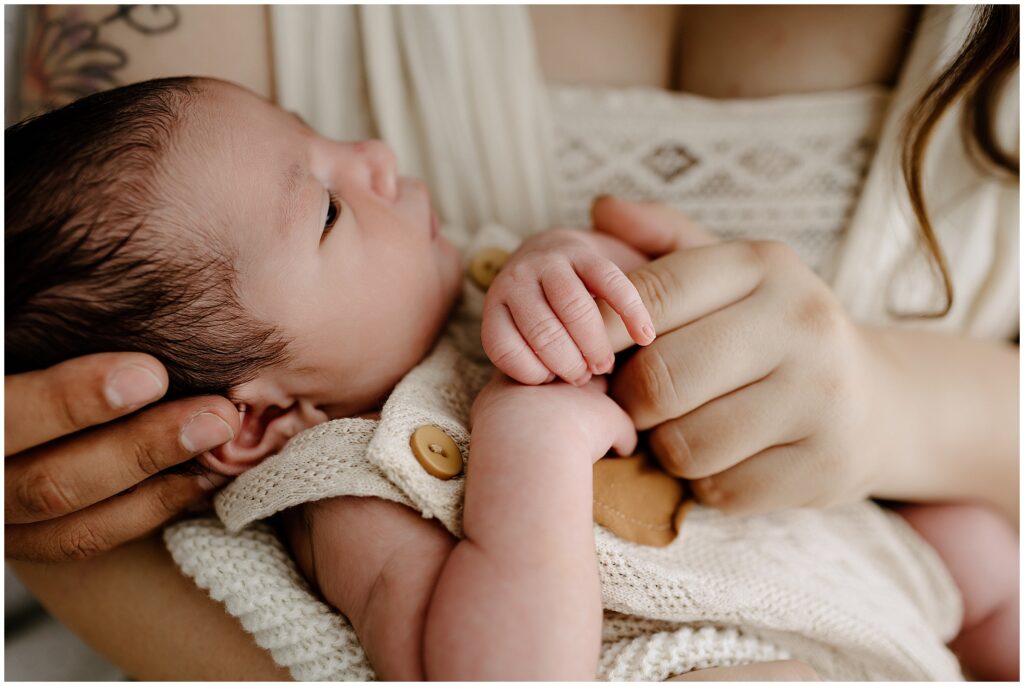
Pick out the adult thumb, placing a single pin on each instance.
(654, 229)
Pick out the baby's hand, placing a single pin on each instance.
(540, 319)
(565, 420)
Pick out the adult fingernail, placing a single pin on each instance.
(205, 431)
(132, 385)
(209, 481)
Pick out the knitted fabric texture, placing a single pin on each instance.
(786, 168)
(852, 591)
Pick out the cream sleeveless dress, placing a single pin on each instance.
(786, 168)
(852, 591)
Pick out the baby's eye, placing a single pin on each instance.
(333, 210)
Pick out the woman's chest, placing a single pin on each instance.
(721, 51)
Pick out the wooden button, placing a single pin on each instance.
(436, 451)
(486, 265)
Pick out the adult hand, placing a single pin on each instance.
(759, 387)
(77, 482)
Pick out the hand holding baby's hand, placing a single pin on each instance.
(540, 319)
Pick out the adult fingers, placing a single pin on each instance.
(780, 477)
(508, 349)
(686, 368)
(110, 523)
(77, 394)
(729, 429)
(68, 475)
(684, 286)
(548, 338)
(578, 312)
(652, 228)
(608, 282)
(689, 284)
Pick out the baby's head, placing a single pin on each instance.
(192, 220)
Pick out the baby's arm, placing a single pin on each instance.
(377, 562)
(518, 596)
(520, 593)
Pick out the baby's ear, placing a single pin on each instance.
(269, 419)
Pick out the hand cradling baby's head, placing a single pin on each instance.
(192, 220)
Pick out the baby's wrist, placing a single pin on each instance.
(529, 443)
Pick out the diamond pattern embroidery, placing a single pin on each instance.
(857, 155)
(578, 159)
(669, 161)
(769, 161)
(744, 178)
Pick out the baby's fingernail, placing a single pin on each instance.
(132, 385)
(205, 431)
(648, 331)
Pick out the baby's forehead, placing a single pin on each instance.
(232, 140)
(231, 105)
(235, 151)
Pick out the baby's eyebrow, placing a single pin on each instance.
(291, 184)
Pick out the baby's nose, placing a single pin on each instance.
(383, 167)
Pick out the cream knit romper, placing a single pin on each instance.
(852, 591)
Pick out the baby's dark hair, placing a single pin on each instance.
(85, 270)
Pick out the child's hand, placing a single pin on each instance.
(554, 419)
(540, 319)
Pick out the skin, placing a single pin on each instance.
(345, 246)
(357, 234)
(73, 448)
(823, 401)
(348, 247)
(540, 318)
(938, 470)
(519, 597)
(836, 455)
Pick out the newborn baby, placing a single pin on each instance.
(304, 278)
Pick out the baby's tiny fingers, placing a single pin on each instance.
(546, 335)
(608, 282)
(507, 349)
(575, 307)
